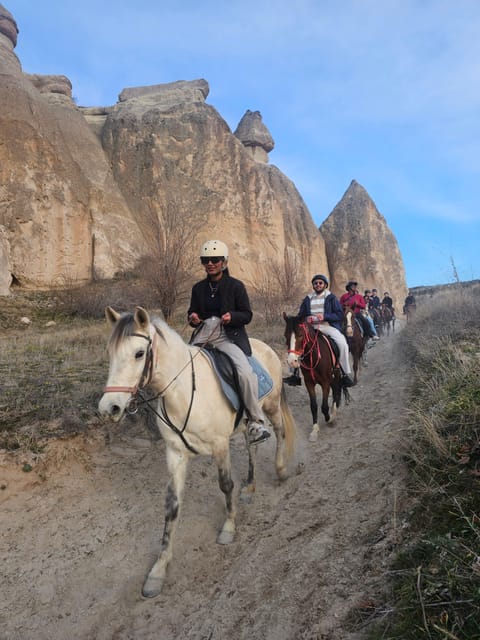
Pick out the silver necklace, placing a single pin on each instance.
(212, 289)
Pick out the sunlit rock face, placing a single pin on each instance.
(64, 219)
(361, 247)
(166, 143)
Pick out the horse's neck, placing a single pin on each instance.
(173, 358)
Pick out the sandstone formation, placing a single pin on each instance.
(86, 191)
(254, 135)
(166, 142)
(361, 247)
(62, 217)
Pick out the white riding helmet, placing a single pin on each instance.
(212, 248)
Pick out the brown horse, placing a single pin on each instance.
(356, 339)
(409, 311)
(388, 316)
(312, 352)
(376, 315)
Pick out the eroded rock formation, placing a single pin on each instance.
(82, 189)
(361, 246)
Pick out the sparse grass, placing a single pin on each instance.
(51, 377)
(435, 579)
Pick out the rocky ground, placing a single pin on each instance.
(80, 531)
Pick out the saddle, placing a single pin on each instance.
(228, 377)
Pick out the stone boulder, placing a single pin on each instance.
(360, 246)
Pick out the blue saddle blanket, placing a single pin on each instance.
(265, 382)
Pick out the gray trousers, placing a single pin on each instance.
(211, 331)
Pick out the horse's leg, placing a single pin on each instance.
(310, 386)
(246, 494)
(277, 410)
(325, 397)
(355, 364)
(222, 458)
(177, 467)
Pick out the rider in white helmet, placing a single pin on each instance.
(219, 310)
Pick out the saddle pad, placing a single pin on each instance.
(265, 382)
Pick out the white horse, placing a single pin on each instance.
(193, 414)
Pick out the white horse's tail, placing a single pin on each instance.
(288, 425)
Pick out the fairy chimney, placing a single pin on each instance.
(254, 135)
(8, 27)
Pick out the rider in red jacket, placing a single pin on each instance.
(357, 303)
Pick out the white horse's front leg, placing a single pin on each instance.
(177, 466)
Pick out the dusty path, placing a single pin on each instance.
(75, 548)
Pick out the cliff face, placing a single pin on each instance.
(361, 247)
(62, 217)
(166, 143)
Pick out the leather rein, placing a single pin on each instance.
(138, 398)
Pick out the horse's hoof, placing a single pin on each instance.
(246, 498)
(313, 437)
(152, 587)
(225, 537)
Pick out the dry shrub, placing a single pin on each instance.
(435, 576)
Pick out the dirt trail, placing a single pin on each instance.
(75, 548)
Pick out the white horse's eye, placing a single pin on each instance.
(139, 354)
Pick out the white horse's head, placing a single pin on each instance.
(131, 360)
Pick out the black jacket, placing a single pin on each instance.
(234, 299)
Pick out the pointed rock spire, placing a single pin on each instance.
(360, 246)
(254, 135)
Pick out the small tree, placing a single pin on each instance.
(278, 285)
(171, 236)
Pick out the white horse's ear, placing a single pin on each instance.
(142, 318)
(111, 315)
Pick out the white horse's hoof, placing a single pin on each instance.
(225, 537)
(313, 437)
(152, 587)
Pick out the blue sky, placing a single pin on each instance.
(386, 92)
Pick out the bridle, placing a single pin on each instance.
(311, 351)
(138, 398)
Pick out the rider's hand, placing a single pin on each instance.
(226, 318)
(319, 317)
(194, 319)
(311, 319)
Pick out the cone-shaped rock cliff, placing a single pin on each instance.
(361, 247)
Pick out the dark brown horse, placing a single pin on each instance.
(312, 352)
(388, 316)
(376, 315)
(356, 339)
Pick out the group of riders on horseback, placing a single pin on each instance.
(220, 308)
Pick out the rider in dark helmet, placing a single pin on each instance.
(322, 310)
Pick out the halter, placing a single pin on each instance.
(147, 372)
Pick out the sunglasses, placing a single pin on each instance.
(318, 282)
(213, 260)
